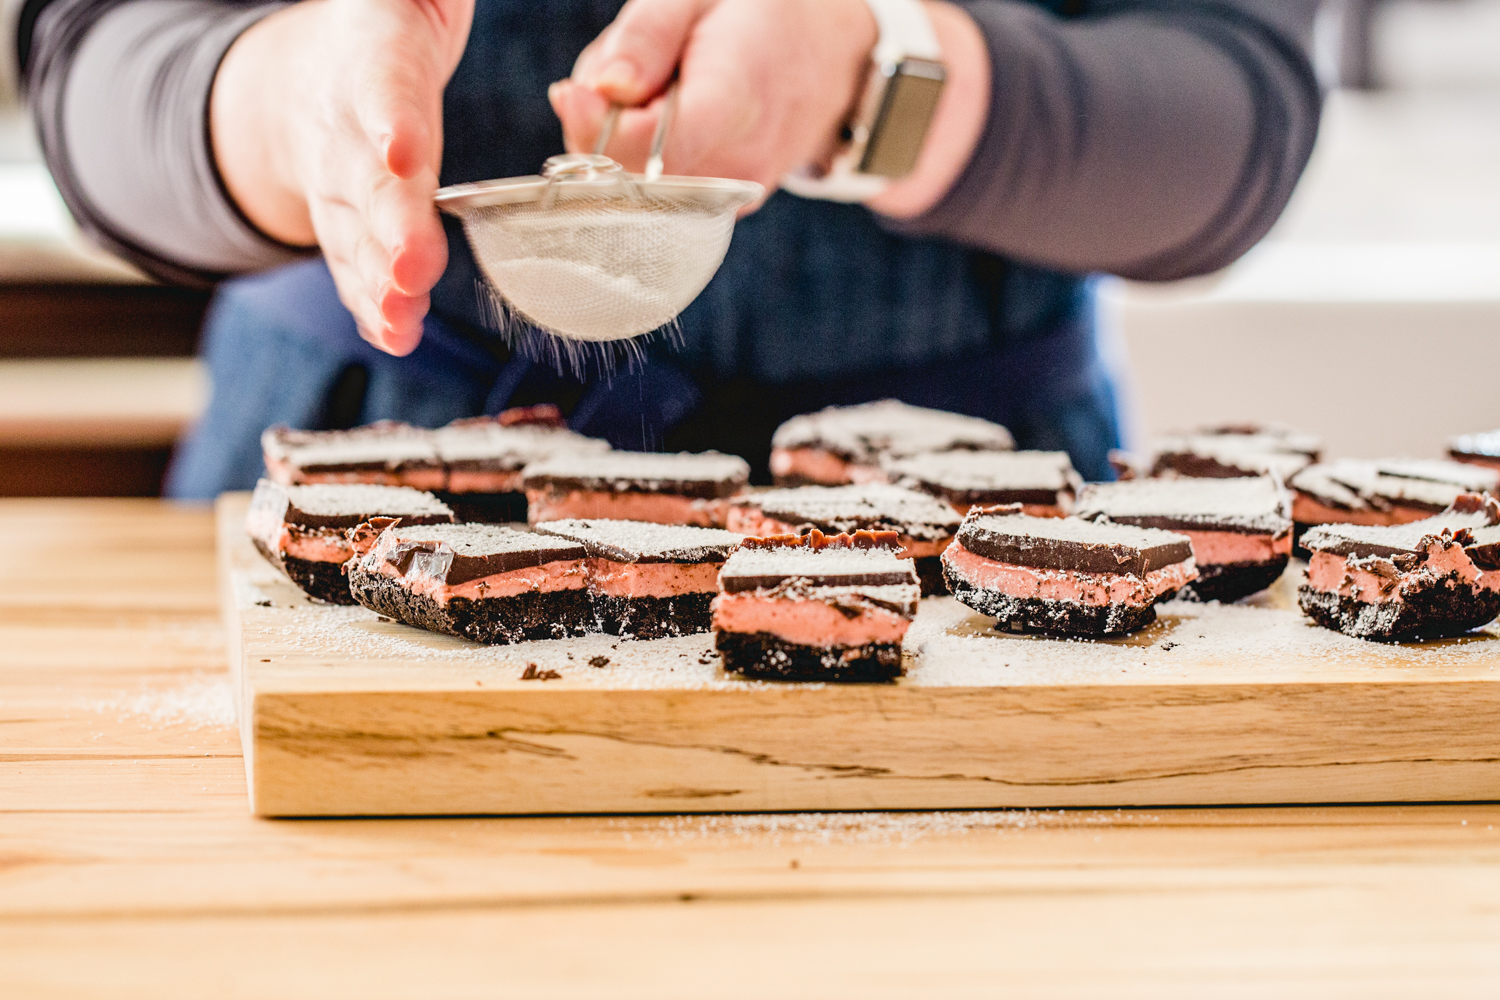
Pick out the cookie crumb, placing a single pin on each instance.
(533, 674)
(599, 661)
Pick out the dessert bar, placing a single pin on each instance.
(1064, 575)
(923, 524)
(484, 458)
(1383, 491)
(302, 529)
(1424, 579)
(1476, 449)
(816, 608)
(1247, 452)
(677, 488)
(844, 444)
(1286, 438)
(387, 453)
(1042, 482)
(482, 582)
(649, 580)
(1241, 529)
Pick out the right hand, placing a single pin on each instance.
(327, 124)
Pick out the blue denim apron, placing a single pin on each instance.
(816, 304)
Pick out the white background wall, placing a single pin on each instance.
(1371, 315)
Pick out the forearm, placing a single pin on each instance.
(1150, 140)
(120, 90)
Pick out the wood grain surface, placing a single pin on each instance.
(345, 713)
(131, 868)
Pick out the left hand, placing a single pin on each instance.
(765, 85)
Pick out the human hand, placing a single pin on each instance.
(765, 87)
(765, 84)
(327, 124)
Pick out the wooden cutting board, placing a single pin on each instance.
(344, 713)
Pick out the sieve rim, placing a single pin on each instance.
(719, 193)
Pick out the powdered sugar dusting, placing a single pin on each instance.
(986, 470)
(876, 506)
(1264, 639)
(651, 470)
(889, 427)
(628, 541)
(198, 703)
(1248, 503)
(861, 829)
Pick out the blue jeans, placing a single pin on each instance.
(280, 348)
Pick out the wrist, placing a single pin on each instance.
(957, 122)
(250, 121)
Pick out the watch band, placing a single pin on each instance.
(906, 50)
(905, 30)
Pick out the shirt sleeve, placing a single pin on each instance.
(1153, 139)
(119, 91)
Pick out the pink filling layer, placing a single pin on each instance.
(567, 574)
(806, 622)
(749, 521)
(417, 479)
(314, 545)
(1306, 510)
(1067, 585)
(484, 481)
(818, 466)
(658, 508)
(1213, 548)
(1332, 574)
(651, 579)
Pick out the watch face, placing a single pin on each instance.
(906, 110)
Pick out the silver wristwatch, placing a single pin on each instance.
(884, 136)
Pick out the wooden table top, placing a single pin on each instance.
(130, 866)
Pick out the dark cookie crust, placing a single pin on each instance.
(765, 657)
(1231, 581)
(324, 580)
(1433, 613)
(493, 620)
(1033, 614)
(653, 617)
(930, 575)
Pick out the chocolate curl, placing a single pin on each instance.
(1475, 503)
(772, 542)
(541, 415)
(362, 537)
(815, 539)
(1005, 509)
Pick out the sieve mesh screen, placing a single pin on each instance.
(600, 268)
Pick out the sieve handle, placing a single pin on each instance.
(654, 164)
(607, 129)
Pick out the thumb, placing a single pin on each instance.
(640, 51)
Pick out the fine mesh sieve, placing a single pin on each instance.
(589, 252)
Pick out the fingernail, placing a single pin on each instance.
(618, 75)
(555, 90)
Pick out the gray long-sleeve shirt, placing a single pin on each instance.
(1149, 138)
